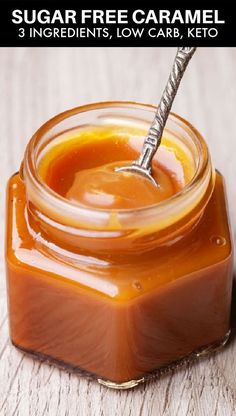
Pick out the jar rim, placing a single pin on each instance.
(77, 209)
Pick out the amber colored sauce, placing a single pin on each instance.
(86, 173)
(116, 317)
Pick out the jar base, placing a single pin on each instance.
(155, 374)
(206, 350)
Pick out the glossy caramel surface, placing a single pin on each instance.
(83, 170)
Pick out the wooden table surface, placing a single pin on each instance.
(36, 84)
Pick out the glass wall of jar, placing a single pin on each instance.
(123, 293)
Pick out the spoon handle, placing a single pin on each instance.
(153, 139)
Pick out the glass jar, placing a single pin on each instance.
(120, 295)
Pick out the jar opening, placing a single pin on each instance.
(64, 213)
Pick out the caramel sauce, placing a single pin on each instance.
(85, 173)
(118, 317)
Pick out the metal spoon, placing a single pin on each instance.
(143, 165)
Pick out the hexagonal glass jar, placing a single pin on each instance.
(126, 299)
